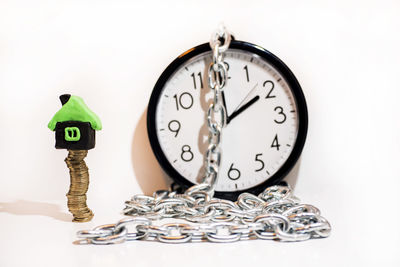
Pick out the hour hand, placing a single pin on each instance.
(242, 108)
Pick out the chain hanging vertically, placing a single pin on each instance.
(216, 114)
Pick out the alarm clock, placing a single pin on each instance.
(266, 124)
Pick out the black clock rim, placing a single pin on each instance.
(286, 73)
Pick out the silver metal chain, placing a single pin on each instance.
(273, 214)
(216, 114)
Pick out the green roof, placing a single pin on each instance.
(75, 110)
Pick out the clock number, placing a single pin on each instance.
(275, 143)
(186, 154)
(226, 65)
(174, 126)
(227, 68)
(270, 83)
(247, 73)
(233, 173)
(261, 162)
(194, 80)
(280, 113)
(185, 100)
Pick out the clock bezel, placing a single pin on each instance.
(286, 74)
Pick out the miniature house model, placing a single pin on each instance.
(74, 124)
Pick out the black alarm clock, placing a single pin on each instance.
(266, 119)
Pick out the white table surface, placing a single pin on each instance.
(344, 53)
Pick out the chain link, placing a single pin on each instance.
(273, 214)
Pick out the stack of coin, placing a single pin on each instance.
(79, 185)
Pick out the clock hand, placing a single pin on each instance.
(255, 86)
(240, 104)
(243, 108)
(223, 101)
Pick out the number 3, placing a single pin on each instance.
(280, 113)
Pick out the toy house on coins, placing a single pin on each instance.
(75, 124)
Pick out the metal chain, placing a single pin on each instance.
(216, 114)
(274, 214)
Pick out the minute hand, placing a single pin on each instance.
(243, 108)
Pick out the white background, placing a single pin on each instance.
(344, 53)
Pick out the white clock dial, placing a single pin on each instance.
(262, 128)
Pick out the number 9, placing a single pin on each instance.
(174, 126)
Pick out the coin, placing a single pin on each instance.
(76, 196)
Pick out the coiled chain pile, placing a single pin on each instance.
(274, 214)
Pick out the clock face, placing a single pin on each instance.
(262, 127)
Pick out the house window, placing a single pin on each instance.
(72, 134)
